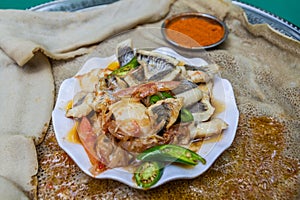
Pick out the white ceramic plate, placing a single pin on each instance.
(222, 92)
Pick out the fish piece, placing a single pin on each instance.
(167, 75)
(154, 67)
(207, 88)
(116, 83)
(110, 153)
(97, 101)
(184, 86)
(82, 106)
(125, 52)
(164, 113)
(190, 97)
(189, 91)
(88, 81)
(135, 77)
(156, 59)
(130, 118)
(202, 110)
(157, 67)
(102, 100)
(207, 129)
(147, 89)
(201, 74)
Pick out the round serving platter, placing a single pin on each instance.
(210, 150)
(254, 15)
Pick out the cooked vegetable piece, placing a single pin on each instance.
(154, 98)
(122, 71)
(148, 173)
(171, 153)
(159, 96)
(186, 115)
(166, 95)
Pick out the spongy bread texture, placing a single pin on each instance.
(263, 161)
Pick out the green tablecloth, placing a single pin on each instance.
(288, 10)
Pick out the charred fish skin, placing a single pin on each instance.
(184, 86)
(153, 57)
(164, 113)
(125, 52)
(210, 68)
(155, 63)
(135, 77)
(167, 75)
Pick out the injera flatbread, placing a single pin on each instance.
(27, 97)
(63, 35)
(9, 190)
(262, 163)
(19, 163)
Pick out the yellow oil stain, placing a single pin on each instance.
(218, 105)
(72, 135)
(69, 105)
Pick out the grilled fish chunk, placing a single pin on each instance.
(202, 110)
(135, 77)
(201, 74)
(189, 91)
(208, 129)
(164, 113)
(125, 52)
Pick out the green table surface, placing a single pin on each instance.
(286, 9)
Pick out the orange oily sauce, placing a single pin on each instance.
(194, 31)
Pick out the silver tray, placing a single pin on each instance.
(255, 15)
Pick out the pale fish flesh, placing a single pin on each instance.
(208, 129)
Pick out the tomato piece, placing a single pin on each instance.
(88, 138)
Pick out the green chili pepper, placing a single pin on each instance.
(171, 153)
(148, 173)
(186, 115)
(159, 96)
(166, 95)
(122, 71)
(154, 98)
